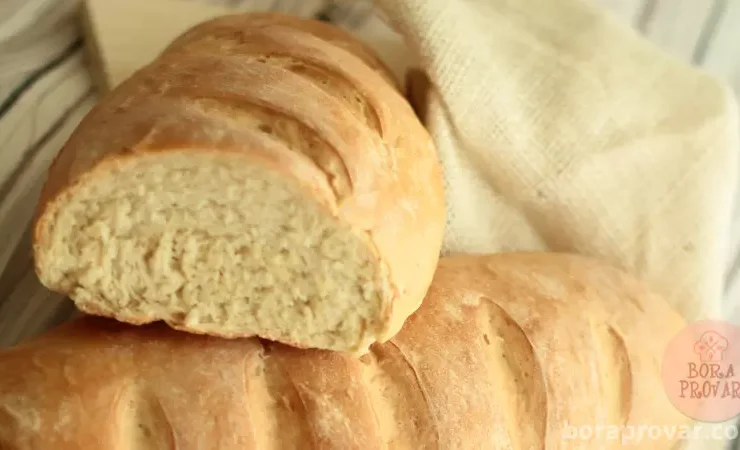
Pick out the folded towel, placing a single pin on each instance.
(562, 129)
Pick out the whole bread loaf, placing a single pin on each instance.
(263, 177)
(507, 352)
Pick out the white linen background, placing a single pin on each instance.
(45, 89)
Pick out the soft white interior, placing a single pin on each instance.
(208, 242)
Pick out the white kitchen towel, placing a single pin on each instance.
(561, 129)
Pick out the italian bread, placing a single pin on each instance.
(263, 177)
(507, 352)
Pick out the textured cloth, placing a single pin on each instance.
(561, 129)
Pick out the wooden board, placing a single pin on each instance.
(109, 25)
(116, 29)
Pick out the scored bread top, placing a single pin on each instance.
(505, 353)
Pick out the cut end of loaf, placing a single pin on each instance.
(211, 244)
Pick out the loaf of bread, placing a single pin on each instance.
(508, 352)
(263, 177)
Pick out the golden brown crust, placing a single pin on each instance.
(505, 351)
(221, 30)
(375, 169)
(234, 25)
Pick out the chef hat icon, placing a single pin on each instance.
(711, 347)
